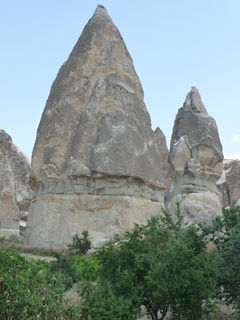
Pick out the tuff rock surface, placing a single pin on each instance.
(195, 159)
(229, 183)
(96, 164)
(15, 193)
(163, 150)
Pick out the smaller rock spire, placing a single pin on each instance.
(194, 101)
(195, 158)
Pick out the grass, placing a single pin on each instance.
(38, 251)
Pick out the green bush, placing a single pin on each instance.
(225, 233)
(64, 265)
(80, 245)
(30, 290)
(160, 266)
(86, 267)
(14, 238)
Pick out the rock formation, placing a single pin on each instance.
(195, 158)
(96, 165)
(14, 190)
(229, 183)
(163, 150)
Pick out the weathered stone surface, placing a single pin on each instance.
(103, 215)
(14, 189)
(163, 150)
(94, 143)
(195, 158)
(229, 183)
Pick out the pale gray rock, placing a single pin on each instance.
(229, 183)
(96, 164)
(195, 159)
(163, 150)
(15, 194)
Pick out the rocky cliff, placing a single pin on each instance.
(229, 183)
(15, 193)
(96, 164)
(195, 160)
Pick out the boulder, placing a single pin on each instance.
(15, 193)
(195, 159)
(96, 164)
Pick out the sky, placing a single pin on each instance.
(174, 44)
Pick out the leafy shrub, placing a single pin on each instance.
(80, 245)
(161, 266)
(64, 265)
(225, 233)
(29, 290)
(74, 267)
(86, 267)
(14, 238)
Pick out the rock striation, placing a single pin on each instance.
(15, 193)
(195, 159)
(96, 164)
(229, 183)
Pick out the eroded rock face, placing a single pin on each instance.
(196, 160)
(96, 165)
(163, 150)
(229, 183)
(15, 193)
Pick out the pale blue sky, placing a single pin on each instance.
(174, 44)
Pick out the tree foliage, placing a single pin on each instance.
(80, 245)
(225, 233)
(159, 266)
(29, 290)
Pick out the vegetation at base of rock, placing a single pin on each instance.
(225, 233)
(34, 289)
(80, 245)
(14, 238)
(75, 267)
(87, 268)
(38, 251)
(160, 266)
(74, 263)
(30, 290)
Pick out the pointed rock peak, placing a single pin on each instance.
(194, 101)
(101, 12)
(5, 138)
(98, 66)
(101, 50)
(194, 122)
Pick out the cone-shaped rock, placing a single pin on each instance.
(96, 165)
(196, 160)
